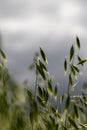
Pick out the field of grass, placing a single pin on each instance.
(24, 109)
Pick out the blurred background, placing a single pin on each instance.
(26, 25)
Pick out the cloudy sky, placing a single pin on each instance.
(26, 25)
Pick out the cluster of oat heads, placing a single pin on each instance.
(39, 109)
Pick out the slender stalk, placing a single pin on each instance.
(36, 84)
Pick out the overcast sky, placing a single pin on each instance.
(44, 17)
(53, 24)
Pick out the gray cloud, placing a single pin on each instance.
(13, 9)
(26, 8)
(53, 25)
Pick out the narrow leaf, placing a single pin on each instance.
(65, 66)
(41, 72)
(46, 96)
(74, 85)
(55, 93)
(76, 111)
(40, 91)
(62, 98)
(42, 66)
(82, 110)
(84, 126)
(76, 68)
(78, 42)
(49, 87)
(72, 122)
(70, 80)
(43, 55)
(67, 102)
(71, 52)
(82, 61)
(41, 101)
(53, 109)
(2, 54)
(79, 59)
(73, 72)
(30, 95)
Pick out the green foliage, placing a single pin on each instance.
(39, 109)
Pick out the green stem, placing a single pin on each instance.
(36, 84)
